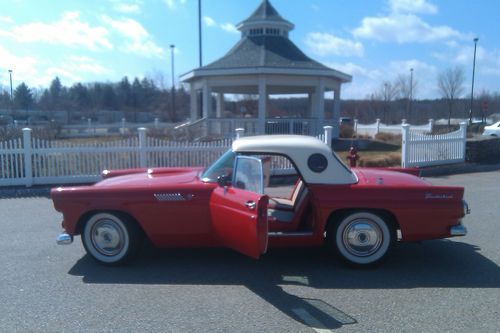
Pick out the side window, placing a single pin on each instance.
(248, 174)
(280, 176)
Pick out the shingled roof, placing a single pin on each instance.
(264, 46)
(265, 51)
(265, 12)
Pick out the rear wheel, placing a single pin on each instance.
(362, 238)
(111, 238)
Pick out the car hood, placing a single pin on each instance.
(386, 177)
(149, 177)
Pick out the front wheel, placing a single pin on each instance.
(362, 238)
(111, 238)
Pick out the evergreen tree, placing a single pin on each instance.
(23, 97)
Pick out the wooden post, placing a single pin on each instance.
(142, 147)
(28, 167)
(328, 135)
(463, 130)
(240, 132)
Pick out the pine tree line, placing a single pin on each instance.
(90, 98)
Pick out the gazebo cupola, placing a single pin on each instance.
(265, 21)
(265, 62)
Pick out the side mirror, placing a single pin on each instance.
(222, 181)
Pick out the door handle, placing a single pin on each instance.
(250, 204)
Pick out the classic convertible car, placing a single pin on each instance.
(266, 191)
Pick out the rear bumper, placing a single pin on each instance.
(458, 230)
(64, 239)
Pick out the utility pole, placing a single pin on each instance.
(473, 74)
(11, 97)
(411, 94)
(172, 47)
(199, 33)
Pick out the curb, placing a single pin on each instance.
(454, 169)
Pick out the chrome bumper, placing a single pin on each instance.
(458, 230)
(64, 239)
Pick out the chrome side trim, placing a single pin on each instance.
(172, 197)
(458, 230)
(64, 239)
(290, 234)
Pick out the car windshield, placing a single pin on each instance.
(222, 166)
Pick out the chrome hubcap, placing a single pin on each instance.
(362, 237)
(107, 237)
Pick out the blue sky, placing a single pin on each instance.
(372, 40)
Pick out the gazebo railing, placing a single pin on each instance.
(226, 127)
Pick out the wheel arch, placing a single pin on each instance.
(337, 215)
(84, 218)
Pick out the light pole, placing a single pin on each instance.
(11, 97)
(411, 95)
(10, 74)
(199, 33)
(473, 74)
(172, 47)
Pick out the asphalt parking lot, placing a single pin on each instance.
(444, 285)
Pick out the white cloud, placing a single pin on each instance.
(172, 4)
(74, 68)
(315, 7)
(23, 68)
(403, 28)
(229, 27)
(127, 8)
(137, 39)
(487, 61)
(6, 19)
(412, 6)
(356, 70)
(209, 22)
(325, 44)
(69, 30)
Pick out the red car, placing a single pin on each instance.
(266, 191)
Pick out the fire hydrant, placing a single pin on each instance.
(353, 157)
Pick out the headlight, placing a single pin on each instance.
(466, 207)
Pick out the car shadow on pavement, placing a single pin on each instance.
(434, 264)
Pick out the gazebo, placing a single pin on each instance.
(265, 62)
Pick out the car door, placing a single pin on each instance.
(239, 209)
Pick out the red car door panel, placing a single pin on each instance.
(239, 219)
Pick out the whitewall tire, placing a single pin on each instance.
(110, 238)
(362, 238)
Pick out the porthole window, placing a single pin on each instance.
(317, 163)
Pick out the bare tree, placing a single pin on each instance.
(388, 92)
(451, 85)
(406, 87)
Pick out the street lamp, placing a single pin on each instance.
(172, 47)
(199, 34)
(10, 74)
(411, 95)
(473, 74)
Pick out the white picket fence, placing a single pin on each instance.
(379, 127)
(419, 149)
(31, 161)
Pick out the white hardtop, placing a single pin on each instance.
(299, 148)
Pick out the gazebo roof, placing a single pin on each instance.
(265, 12)
(265, 51)
(264, 47)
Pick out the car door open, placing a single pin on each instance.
(239, 209)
